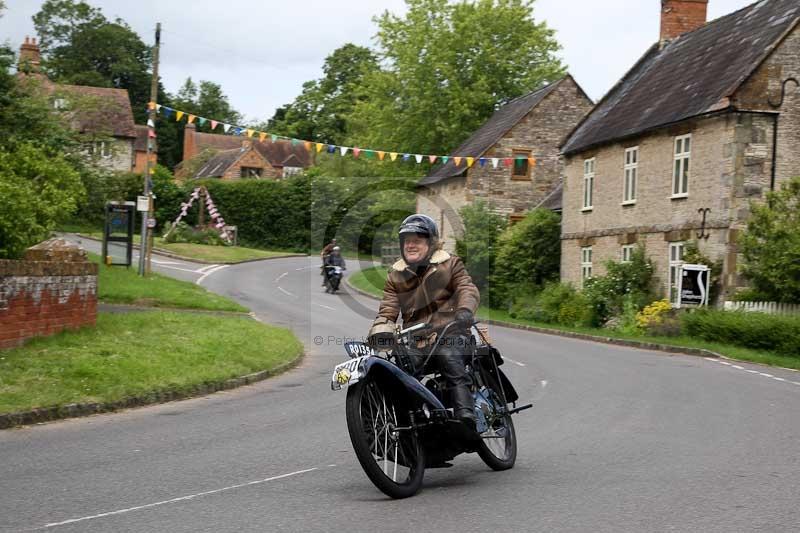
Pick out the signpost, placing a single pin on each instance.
(118, 233)
(693, 286)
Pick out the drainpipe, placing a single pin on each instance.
(776, 105)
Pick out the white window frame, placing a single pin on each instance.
(630, 176)
(676, 252)
(586, 263)
(59, 103)
(626, 253)
(588, 183)
(681, 165)
(101, 148)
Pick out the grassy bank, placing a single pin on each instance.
(371, 281)
(124, 286)
(136, 354)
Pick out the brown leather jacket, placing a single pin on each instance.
(444, 288)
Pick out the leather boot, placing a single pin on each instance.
(464, 407)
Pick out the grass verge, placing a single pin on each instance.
(371, 280)
(124, 286)
(133, 354)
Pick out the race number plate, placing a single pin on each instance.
(347, 373)
(358, 349)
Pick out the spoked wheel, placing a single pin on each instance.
(498, 445)
(392, 459)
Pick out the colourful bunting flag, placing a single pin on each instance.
(273, 137)
(343, 149)
(151, 105)
(432, 159)
(179, 116)
(381, 155)
(190, 119)
(507, 161)
(482, 161)
(392, 155)
(250, 133)
(470, 160)
(457, 160)
(331, 149)
(150, 123)
(406, 157)
(294, 142)
(202, 121)
(214, 125)
(532, 161)
(418, 158)
(495, 161)
(226, 127)
(262, 136)
(370, 154)
(445, 159)
(356, 152)
(158, 108)
(320, 146)
(307, 144)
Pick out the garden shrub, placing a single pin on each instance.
(557, 303)
(659, 319)
(607, 293)
(185, 233)
(760, 331)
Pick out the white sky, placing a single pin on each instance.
(261, 51)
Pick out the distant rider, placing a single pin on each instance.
(430, 285)
(326, 251)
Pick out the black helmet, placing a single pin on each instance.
(420, 225)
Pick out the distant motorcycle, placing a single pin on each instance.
(333, 277)
(399, 423)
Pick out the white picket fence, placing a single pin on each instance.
(772, 308)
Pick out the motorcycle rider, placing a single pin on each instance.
(334, 259)
(430, 285)
(326, 251)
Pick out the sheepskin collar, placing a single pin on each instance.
(439, 256)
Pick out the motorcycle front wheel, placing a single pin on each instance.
(392, 459)
(498, 445)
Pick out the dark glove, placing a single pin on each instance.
(465, 317)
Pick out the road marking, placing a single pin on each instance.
(174, 500)
(279, 278)
(515, 362)
(156, 261)
(325, 306)
(178, 268)
(209, 272)
(749, 371)
(284, 291)
(305, 268)
(544, 383)
(207, 267)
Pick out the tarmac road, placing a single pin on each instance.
(619, 439)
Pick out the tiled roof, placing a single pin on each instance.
(554, 200)
(109, 114)
(274, 152)
(217, 165)
(694, 74)
(492, 131)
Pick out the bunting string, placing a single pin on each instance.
(355, 151)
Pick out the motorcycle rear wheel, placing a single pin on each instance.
(498, 445)
(393, 460)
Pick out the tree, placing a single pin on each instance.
(771, 245)
(320, 112)
(58, 20)
(448, 67)
(478, 246)
(528, 255)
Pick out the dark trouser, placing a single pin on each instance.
(449, 358)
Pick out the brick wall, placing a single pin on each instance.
(251, 159)
(54, 288)
(681, 16)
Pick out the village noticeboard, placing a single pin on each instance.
(693, 285)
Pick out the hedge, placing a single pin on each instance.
(760, 331)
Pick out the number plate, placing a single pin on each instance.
(358, 349)
(347, 373)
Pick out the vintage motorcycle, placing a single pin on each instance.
(333, 277)
(398, 420)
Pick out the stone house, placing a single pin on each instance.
(105, 118)
(705, 122)
(531, 126)
(235, 157)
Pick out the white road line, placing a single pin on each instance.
(325, 306)
(544, 383)
(209, 272)
(515, 362)
(284, 291)
(178, 268)
(174, 500)
(156, 261)
(764, 374)
(306, 268)
(279, 278)
(207, 267)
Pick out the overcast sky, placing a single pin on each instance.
(261, 51)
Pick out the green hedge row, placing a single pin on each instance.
(775, 333)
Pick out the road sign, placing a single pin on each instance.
(693, 285)
(142, 203)
(151, 223)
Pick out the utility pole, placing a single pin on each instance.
(144, 249)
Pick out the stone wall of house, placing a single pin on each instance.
(441, 201)
(52, 289)
(251, 159)
(122, 156)
(766, 85)
(542, 132)
(730, 166)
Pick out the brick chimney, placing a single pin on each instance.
(681, 16)
(189, 142)
(30, 57)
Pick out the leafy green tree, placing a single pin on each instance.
(448, 67)
(320, 112)
(771, 245)
(57, 21)
(528, 256)
(630, 281)
(478, 246)
(38, 188)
